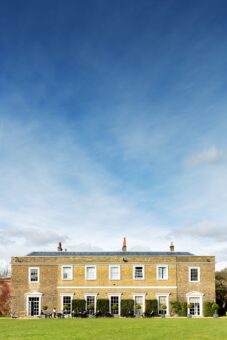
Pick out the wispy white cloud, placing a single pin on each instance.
(203, 230)
(210, 155)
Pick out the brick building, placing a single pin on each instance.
(56, 278)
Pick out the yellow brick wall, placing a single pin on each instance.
(51, 278)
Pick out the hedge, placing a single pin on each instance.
(78, 305)
(102, 306)
(127, 307)
(151, 306)
(179, 308)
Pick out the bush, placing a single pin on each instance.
(207, 309)
(78, 305)
(103, 306)
(215, 308)
(175, 307)
(179, 308)
(127, 307)
(151, 306)
(184, 309)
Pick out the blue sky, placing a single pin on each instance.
(113, 123)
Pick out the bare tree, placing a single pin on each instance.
(5, 270)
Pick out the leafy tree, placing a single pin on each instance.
(221, 288)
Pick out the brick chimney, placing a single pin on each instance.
(171, 247)
(59, 247)
(124, 247)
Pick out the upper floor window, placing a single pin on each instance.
(194, 274)
(90, 272)
(138, 272)
(67, 272)
(114, 272)
(33, 275)
(162, 272)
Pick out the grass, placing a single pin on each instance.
(118, 329)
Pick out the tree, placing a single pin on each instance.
(4, 270)
(221, 288)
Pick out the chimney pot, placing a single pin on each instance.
(59, 246)
(171, 247)
(124, 247)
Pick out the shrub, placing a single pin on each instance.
(184, 309)
(215, 308)
(207, 309)
(103, 306)
(127, 307)
(78, 305)
(175, 307)
(151, 306)
(179, 308)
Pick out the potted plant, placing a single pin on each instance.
(115, 309)
(215, 310)
(90, 308)
(163, 307)
(44, 308)
(189, 306)
(138, 310)
(65, 310)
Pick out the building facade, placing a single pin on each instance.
(56, 278)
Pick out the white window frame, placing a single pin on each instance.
(62, 271)
(66, 294)
(167, 272)
(28, 295)
(197, 295)
(119, 273)
(119, 302)
(143, 296)
(189, 274)
(134, 272)
(167, 301)
(29, 275)
(91, 294)
(88, 266)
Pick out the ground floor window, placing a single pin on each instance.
(91, 304)
(195, 306)
(33, 306)
(115, 305)
(139, 304)
(67, 304)
(163, 304)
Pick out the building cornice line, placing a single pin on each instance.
(116, 287)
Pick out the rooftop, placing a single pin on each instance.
(106, 253)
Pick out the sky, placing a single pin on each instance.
(113, 120)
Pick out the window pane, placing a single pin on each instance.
(114, 273)
(162, 300)
(90, 304)
(195, 305)
(67, 304)
(138, 272)
(162, 273)
(67, 273)
(33, 306)
(34, 275)
(114, 305)
(194, 274)
(90, 273)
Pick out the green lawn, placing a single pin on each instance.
(69, 329)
